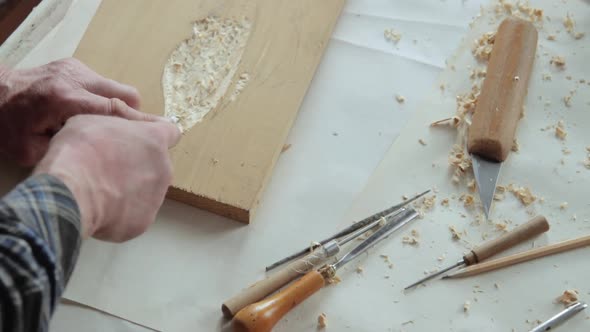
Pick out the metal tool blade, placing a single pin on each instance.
(486, 176)
(359, 224)
(393, 223)
(435, 274)
(561, 317)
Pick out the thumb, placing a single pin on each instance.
(164, 130)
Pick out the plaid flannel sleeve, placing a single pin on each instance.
(39, 243)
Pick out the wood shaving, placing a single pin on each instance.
(467, 200)
(546, 77)
(322, 321)
(466, 306)
(524, 194)
(471, 185)
(400, 99)
(415, 233)
(199, 71)
(411, 240)
(567, 100)
(444, 202)
(243, 80)
(515, 146)
(482, 46)
(551, 37)
(521, 10)
(421, 141)
(285, 147)
(429, 202)
(563, 206)
(454, 122)
(441, 257)
(333, 280)
(501, 226)
(360, 270)
(455, 234)
(392, 35)
(568, 297)
(560, 130)
(558, 61)
(570, 26)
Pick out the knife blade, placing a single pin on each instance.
(500, 104)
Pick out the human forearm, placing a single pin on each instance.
(39, 241)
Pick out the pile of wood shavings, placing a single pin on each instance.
(524, 194)
(570, 24)
(519, 9)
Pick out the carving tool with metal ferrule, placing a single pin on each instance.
(262, 316)
(521, 257)
(295, 269)
(348, 230)
(500, 104)
(521, 233)
(561, 317)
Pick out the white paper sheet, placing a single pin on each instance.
(524, 293)
(176, 276)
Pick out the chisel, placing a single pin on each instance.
(533, 227)
(500, 104)
(263, 315)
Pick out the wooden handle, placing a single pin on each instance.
(262, 316)
(533, 227)
(522, 257)
(499, 106)
(275, 281)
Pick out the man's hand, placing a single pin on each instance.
(119, 171)
(35, 103)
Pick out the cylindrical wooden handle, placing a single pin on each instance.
(499, 106)
(262, 316)
(523, 257)
(533, 227)
(275, 281)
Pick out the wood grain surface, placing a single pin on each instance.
(224, 162)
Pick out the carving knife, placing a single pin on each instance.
(500, 104)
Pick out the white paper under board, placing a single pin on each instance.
(515, 298)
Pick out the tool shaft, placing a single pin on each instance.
(561, 317)
(395, 223)
(357, 225)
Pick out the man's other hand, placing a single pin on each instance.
(118, 170)
(35, 103)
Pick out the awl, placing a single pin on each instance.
(500, 104)
(533, 227)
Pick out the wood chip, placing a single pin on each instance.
(568, 297)
(524, 194)
(285, 147)
(560, 130)
(322, 321)
(421, 141)
(392, 35)
(400, 99)
(411, 240)
(466, 306)
(360, 270)
(455, 234)
(557, 61)
(563, 206)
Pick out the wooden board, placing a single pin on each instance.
(223, 163)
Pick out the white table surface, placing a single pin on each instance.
(316, 181)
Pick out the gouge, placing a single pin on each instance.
(262, 316)
(295, 269)
(500, 104)
(560, 318)
(533, 227)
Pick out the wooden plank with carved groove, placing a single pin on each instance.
(223, 163)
